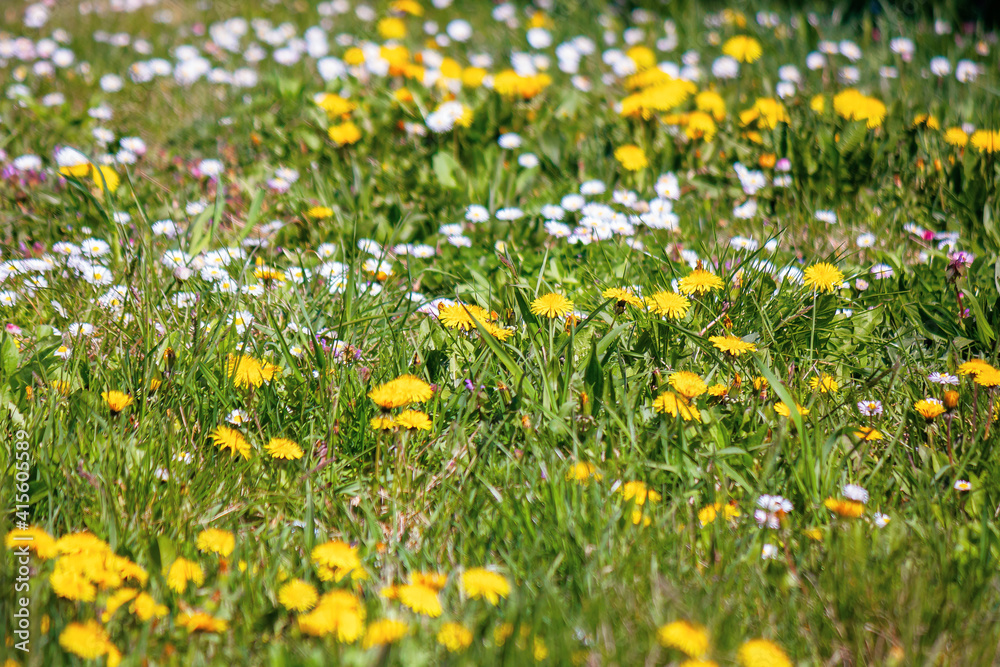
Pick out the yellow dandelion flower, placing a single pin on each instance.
(455, 637)
(231, 439)
(246, 371)
(850, 509)
(929, 408)
(384, 631)
(116, 600)
(668, 304)
(413, 420)
(582, 472)
(974, 367)
(688, 638)
(676, 406)
(391, 27)
(766, 113)
(552, 306)
(631, 157)
(71, 584)
(639, 493)
(199, 621)
(743, 48)
(733, 345)
(147, 608)
(217, 541)
(340, 558)
(867, 433)
(478, 582)
(182, 572)
(956, 136)
(986, 141)
(688, 384)
(402, 391)
(854, 105)
(88, 640)
(382, 423)
(35, 538)
(699, 282)
(283, 448)
(987, 377)
(622, 297)
(117, 401)
(463, 316)
(762, 653)
(783, 409)
(700, 125)
(711, 102)
(298, 595)
(334, 104)
(708, 513)
(421, 599)
(344, 134)
(105, 176)
(319, 212)
(824, 384)
(337, 613)
(823, 277)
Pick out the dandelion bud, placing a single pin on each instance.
(950, 399)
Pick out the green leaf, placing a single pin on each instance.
(986, 334)
(445, 167)
(852, 136)
(9, 356)
(252, 215)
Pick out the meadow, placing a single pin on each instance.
(557, 333)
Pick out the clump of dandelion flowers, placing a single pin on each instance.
(463, 316)
(337, 613)
(552, 306)
(683, 636)
(455, 637)
(402, 391)
(88, 640)
(217, 541)
(336, 560)
(688, 384)
(823, 277)
(851, 104)
(384, 631)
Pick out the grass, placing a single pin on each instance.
(545, 433)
